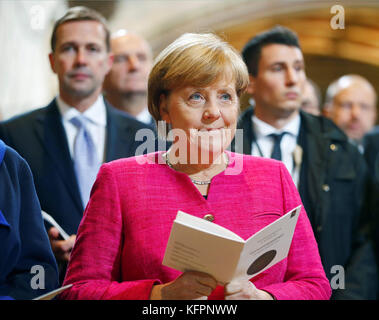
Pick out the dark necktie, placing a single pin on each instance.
(276, 152)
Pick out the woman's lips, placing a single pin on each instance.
(210, 129)
(218, 133)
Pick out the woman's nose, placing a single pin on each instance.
(212, 111)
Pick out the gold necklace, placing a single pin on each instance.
(198, 182)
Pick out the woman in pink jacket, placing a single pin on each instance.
(194, 87)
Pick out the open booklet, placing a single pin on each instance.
(196, 244)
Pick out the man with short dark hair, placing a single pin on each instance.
(66, 142)
(80, 13)
(329, 172)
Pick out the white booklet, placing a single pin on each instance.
(52, 294)
(196, 244)
(55, 224)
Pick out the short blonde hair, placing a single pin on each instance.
(194, 60)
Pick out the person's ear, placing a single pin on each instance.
(163, 111)
(251, 87)
(52, 61)
(109, 64)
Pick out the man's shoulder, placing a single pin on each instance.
(123, 119)
(324, 132)
(246, 114)
(372, 149)
(372, 139)
(322, 128)
(27, 117)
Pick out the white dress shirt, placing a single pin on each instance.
(96, 126)
(264, 144)
(144, 116)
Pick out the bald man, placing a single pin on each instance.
(125, 86)
(351, 103)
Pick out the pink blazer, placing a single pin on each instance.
(123, 235)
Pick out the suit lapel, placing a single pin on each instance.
(312, 172)
(51, 132)
(245, 124)
(319, 160)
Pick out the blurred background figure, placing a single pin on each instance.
(125, 86)
(351, 103)
(311, 101)
(372, 157)
(330, 173)
(65, 142)
(24, 244)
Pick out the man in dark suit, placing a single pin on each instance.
(330, 173)
(66, 142)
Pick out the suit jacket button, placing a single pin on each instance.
(319, 228)
(333, 147)
(209, 217)
(325, 187)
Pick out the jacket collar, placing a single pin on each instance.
(320, 125)
(312, 124)
(120, 134)
(318, 134)
(50, 130)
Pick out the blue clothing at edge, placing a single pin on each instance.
(23, 239)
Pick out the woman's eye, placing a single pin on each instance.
(195, 97)
(226, 97)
